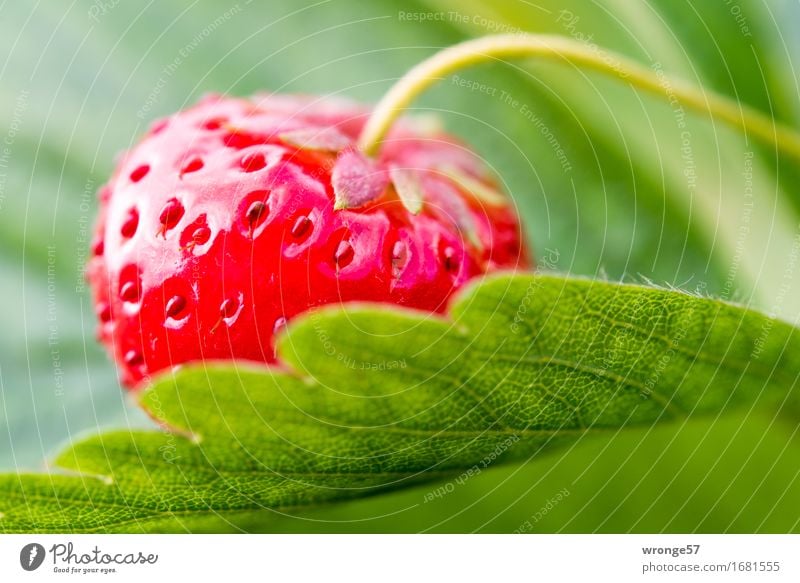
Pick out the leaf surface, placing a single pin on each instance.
(375, 399)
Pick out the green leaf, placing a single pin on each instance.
(378, 399)
(623, 208)
(407, 186)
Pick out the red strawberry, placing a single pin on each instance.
(233, 216)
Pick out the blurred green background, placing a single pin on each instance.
(640, 193)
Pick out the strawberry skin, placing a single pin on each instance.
(235, 215)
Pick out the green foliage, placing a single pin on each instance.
(379, 399)
(595, 168)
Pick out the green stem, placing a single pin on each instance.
(493, 48)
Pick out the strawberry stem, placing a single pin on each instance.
(498, 47)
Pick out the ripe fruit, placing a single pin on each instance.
(235, 215)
